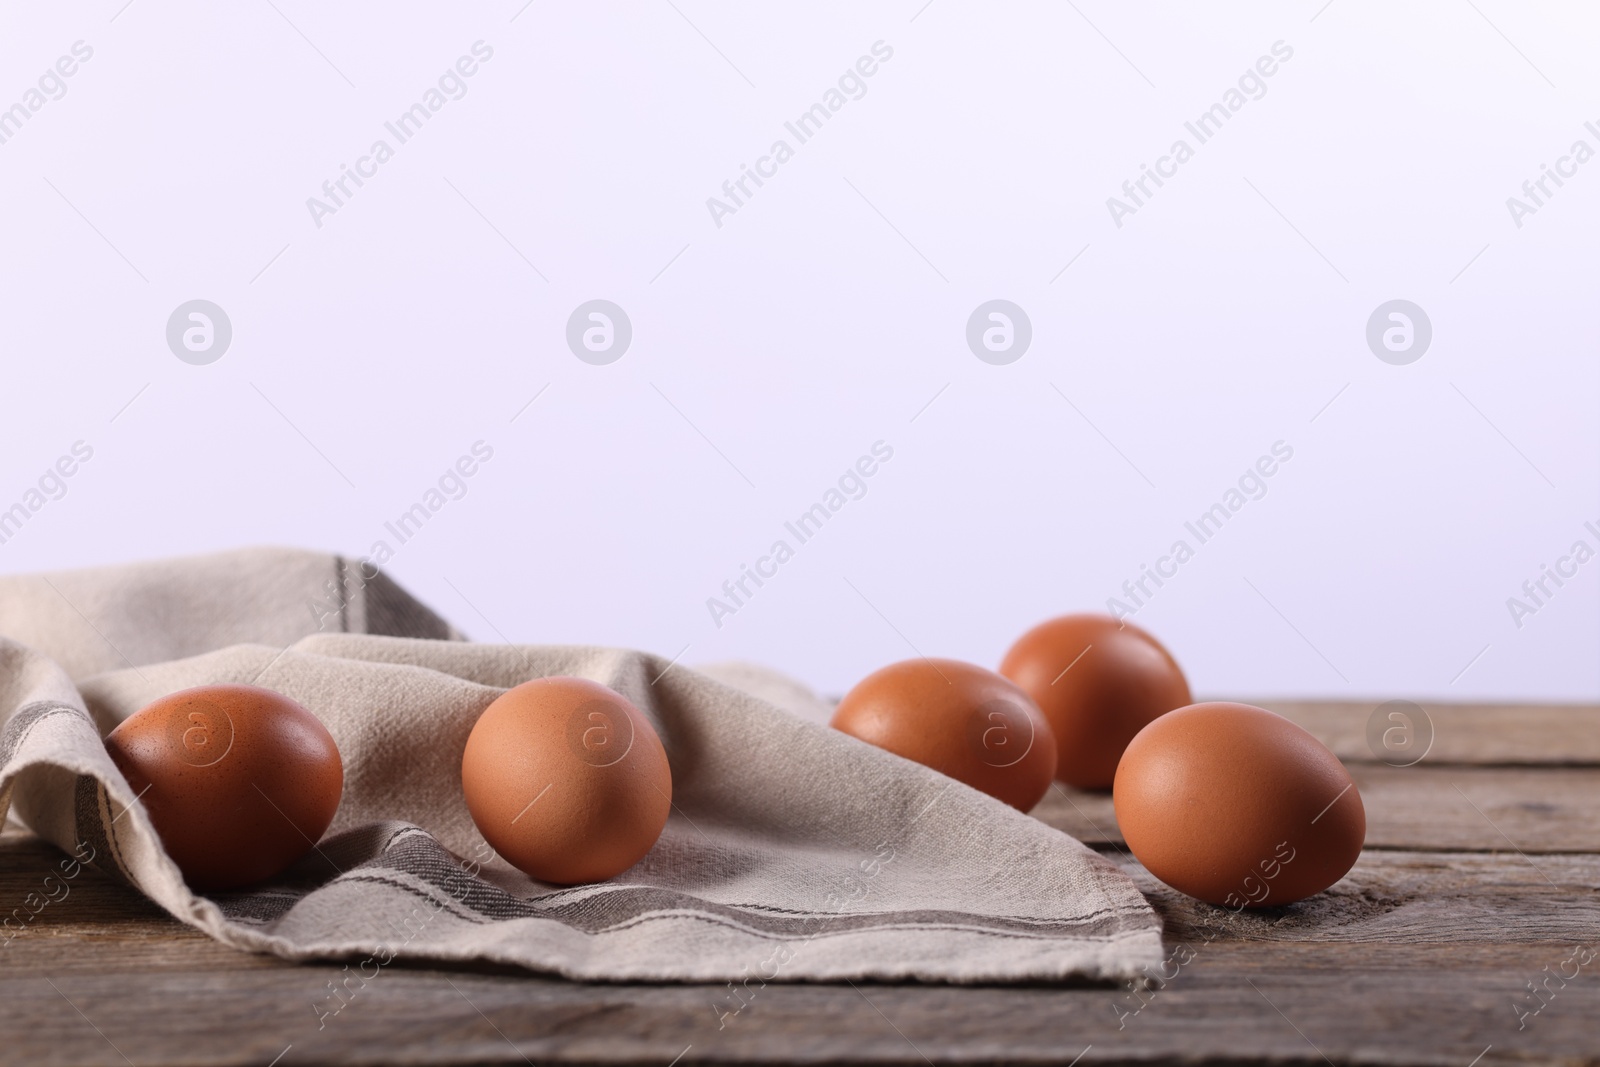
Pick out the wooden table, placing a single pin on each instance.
(1480, 884)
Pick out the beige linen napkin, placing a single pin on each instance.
(792, 851)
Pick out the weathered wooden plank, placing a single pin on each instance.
(1419, 897)
(1229, 1003)
(1414, 958)
(1455, 808)
(1542, 734)
(1476, 888)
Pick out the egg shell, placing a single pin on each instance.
(1237, 806)
(1098, 682)
(238, 781)
(567, 780)
(959, 719)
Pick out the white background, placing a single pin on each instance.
(826, 313)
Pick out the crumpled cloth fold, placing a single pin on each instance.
(793, 852)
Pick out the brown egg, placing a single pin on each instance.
(567, 780)
(238, 781)
(1237, 806)
(961, 720)
(1098, 683)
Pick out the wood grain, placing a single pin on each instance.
(1536, 734)
(1388, 1004)
(1430, 951)
(1459, 808)
(1482, 876)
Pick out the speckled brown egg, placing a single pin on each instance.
(1098, 682)
(1236, 806)
(567, 780)
(238, 781)
(959, 719)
